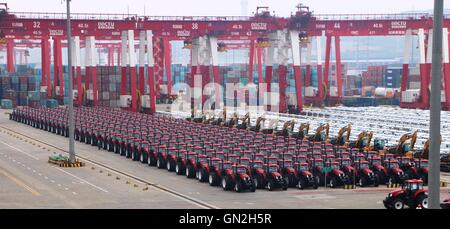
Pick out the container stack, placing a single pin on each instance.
(16, 88)
(108, 81)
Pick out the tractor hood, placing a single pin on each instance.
(397, 170)
(396, 193)
(275, 174)
(380, 168)
(425, 169)
(244, 176)
(337, 172)
(306, 173)
(290, 170)
(366, 171)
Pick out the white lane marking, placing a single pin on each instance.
(74, 193)
(34, 171)
(66, 188)
(52, 181)
(19, 150)
(15, 161)
(28, 168)
(46, 178)
(59, 185)
(315, 197)
(85, 181)
(40, 174)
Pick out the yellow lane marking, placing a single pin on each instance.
(20, 183)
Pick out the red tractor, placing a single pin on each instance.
(273, 179)
(288, 172)
(239, 179)
(183, 160)
(412, 195)
(215, 176)
(204, 169)
(335, 177)
(166, 158)
(346, 166)
(304, 177)
(377, 167)
(394, 173)
(364, 176)
(422, 169)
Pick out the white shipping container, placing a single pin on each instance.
(333, 91)
(311, 91)
(125, 100)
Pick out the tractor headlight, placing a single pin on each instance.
(389, 195)
(400, 173)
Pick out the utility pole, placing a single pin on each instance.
(69, 64)
(435, 106)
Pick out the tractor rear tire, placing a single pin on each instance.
(151, 160)
(252, 187)
(212, 179)
(238, 187)
(301, 183)
(190, 171)
(423, 201)
(160, 163)
(226, 183)
(143, 158)
(179, 169)
(271, 185)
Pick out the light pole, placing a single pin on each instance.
(435, 106)
(69, 64)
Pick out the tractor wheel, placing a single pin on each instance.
(190, 171)
(212, 179)
(143, 158)
(226, 183)
(179, 169)
(238, 187)
(253, 187)
(398, 203)
(160, 163)
(285, 184)
(151, 160)
(333, 182)
(362, 182)
(203, 175)
(259, 183)
(301, 184)
(270, 185)
(423, 201)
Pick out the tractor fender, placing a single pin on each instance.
(275, 174)
(366, 171)
(380, 168)
(290, 170)
(419, 192)
(425, 170)
(306, 173)
(396, 170)
(337, 172)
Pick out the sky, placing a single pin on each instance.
(218, 7)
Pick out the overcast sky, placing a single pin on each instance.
(219, 7)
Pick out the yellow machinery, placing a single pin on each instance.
(245, 122)
(287, 126)
(363, 141)
(302, 131)
(403, 147)
(321, 134)
(342, 140)
(232, 122)
(257, 126)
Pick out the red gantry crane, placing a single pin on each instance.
(279, 39)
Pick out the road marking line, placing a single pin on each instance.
(66, 188)
(74, 193)
(20, 183)
(40, 174)
(52, 181)
(34, 171)
(46, 178)
(59, 185)
(19, 150)
(85, 181)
